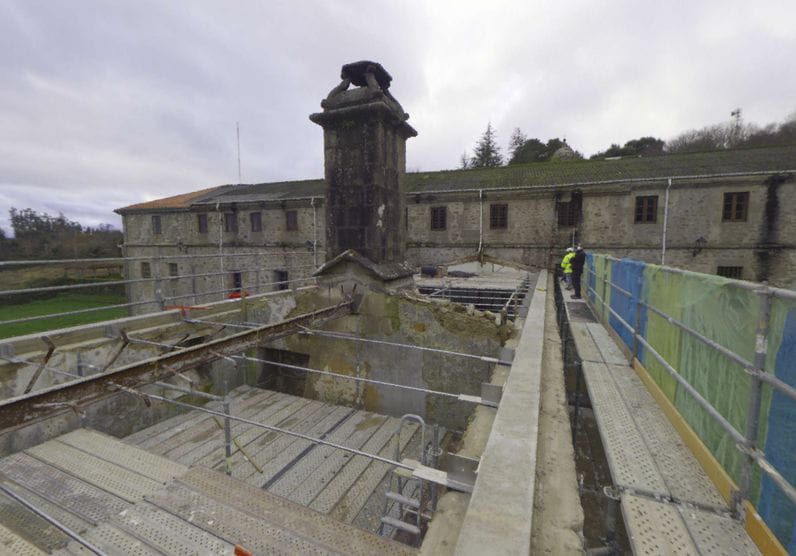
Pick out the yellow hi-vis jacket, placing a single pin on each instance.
(566, 263)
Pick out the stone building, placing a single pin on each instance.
(730, 212)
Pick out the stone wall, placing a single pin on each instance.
(407, 320)
(762, 245)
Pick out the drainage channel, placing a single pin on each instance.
(603, 527)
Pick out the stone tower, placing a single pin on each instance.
(364, 135)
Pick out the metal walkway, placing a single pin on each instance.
(348, 487)
(125, 500)
(669, 504)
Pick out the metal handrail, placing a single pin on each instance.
(744, 443)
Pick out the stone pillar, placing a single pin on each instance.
(364, 133)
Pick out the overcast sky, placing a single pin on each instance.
(105, 104)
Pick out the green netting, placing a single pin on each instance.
(662, 291)
(727, 314)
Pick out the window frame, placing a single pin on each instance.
(643, 213)
(498, 221)
(730, 209)
(157, 225)
(438, 218)
(231, 222)
(256, 217)
(281, 280)
(730, 271)
(237, 280)
(291, 220)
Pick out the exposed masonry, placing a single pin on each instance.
(698, 238)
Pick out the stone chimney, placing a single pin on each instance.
(364, 135)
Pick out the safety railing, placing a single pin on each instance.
(746, 441)
(158, 279)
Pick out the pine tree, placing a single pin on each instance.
(464, 161)
(518, 139)
(487, 151)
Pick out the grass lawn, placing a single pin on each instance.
(60, 303)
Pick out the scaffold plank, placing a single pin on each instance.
(270, 445)
(168, 532)
(682, 473)
(17, 520)
(166, 426)
(125, 484)
(62, 514)
(629, 458)
(113, 541)
(295, 472)
(292, 521)
(119, 453)
(214, 439)
(287, 450)
(248, 434)
(307, 490)
(196, 433)
(12, 543)
(716, 534)
(159, 442)
(366, 486)
(609, 351)
(655, 528)
(87, 501)
(334, 488)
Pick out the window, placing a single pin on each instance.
(569, 212)
(291, 220)
(237, 280)
(730, 271)
(646, 209)
(201, 220)
(146, 271)
(156, 229)
(281, 279)
(499, 216)
(173, 269)
(735, 207)
(231, 222)
(439, 218)
(256, 220)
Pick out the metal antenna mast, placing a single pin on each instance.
(237, 131)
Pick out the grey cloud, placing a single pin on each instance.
(106, 104)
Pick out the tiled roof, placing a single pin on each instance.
(539, 173)
(184, 200)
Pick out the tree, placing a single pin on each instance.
(532, 150)
(487, 152)
(643, 146)
(464, 161)
(41, 236)
(518, 139)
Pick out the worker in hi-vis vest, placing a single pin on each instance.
(566, 265)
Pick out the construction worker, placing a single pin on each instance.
(577, 263)
(566, 265)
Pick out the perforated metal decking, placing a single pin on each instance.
(669, 504)
(127, 500)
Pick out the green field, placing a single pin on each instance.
(58, 304)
